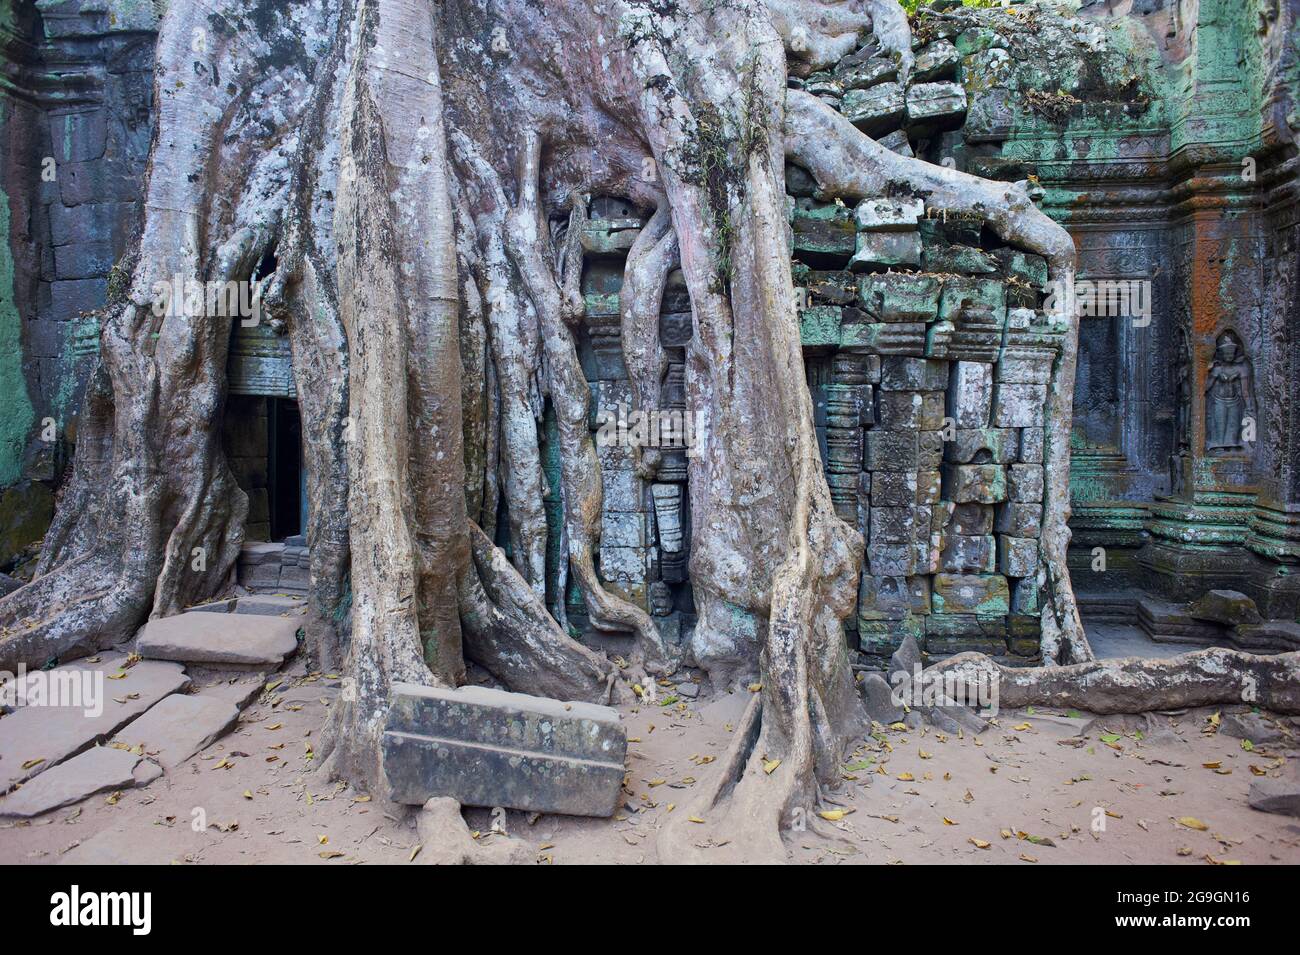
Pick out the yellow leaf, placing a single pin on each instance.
(275, 726)
(979, 843)
(333, 855)
(657, 782)
(1025, 858)
(33, 762)
(755, 687)
(1214, 765)
(1023, 726)
(415, 852)
(948, 822)
(770, 766)
(695, 819)
(834, 815)
(117, 676)
(361, 799)
(906, 777)
(1191, 822)
(248, 794)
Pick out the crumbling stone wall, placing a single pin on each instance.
(76, 105)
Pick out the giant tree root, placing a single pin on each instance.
(1133, 685)
(446, 840)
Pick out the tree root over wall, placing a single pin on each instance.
(422, 172)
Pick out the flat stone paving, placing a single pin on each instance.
(178, 727)
(35, 738)
(98, 769)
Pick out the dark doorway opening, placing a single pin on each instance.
(284, 467)
(264, 448)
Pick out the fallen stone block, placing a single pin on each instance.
(1281, 796)
(96, 770)
(33, 739)
(178, 727)
(220, 639)
(1228, 607)
(878, 698)
(486, 747)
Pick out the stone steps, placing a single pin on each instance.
(220, 640)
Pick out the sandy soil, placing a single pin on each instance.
(1028, 791)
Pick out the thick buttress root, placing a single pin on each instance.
(1133, 685)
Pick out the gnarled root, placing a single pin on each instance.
(1133, 685)
(509, 633)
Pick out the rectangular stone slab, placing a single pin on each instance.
(486, 747)
(53, 733)
(213, 639)
(179, 726)
(98, 769)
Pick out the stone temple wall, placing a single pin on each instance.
(1161, 133)
(76, 108)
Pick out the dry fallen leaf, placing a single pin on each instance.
(1191, 822)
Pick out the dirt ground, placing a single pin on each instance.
(1027, 791)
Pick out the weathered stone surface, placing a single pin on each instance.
(893, 525)
(907, 657)
(974, 483)
(1020, 520)
(270, 605)
(876, 110)
(890, 215)
(1031, 445)
(894, 488)
(891, 560)
(1019, 406)
(886, 250)
(910, 410)
(937, 61)
(964, 554)
(238, 691)
(98, 769)
(1017, 556)
(1250, 726)
(892, 598)
(900, 297)
(235, 639)
(971, 519)
(485, 747)
(48, 735)
(982, 594)
(898, 373)
(1000, 444)
(970, 394)
(1025, 483)
(891, 450)
(877, 697)
(1280, 796)
(935, 105)
(1228, 607)
(178, 727)
(819, 326)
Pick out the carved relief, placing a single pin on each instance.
(1229, 397)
